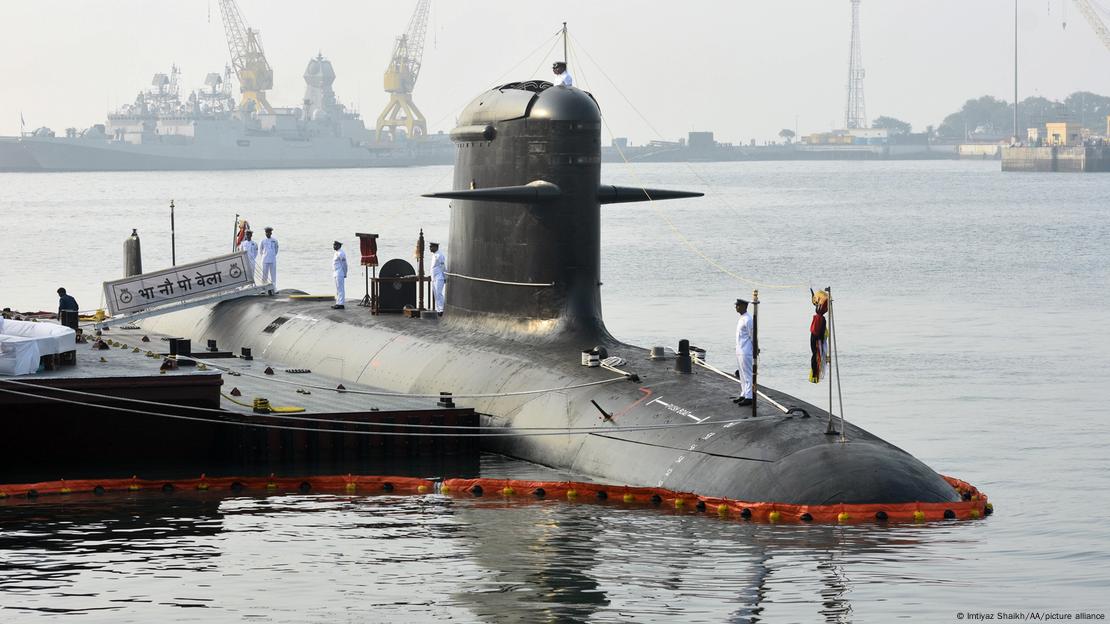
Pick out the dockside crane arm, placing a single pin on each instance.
(400, 79)
(1088, 10)
(248, 59)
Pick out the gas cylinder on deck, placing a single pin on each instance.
(132, 255)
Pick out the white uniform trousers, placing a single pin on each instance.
(744, 364)
(340, 289)
(269, 273)
(438, 286)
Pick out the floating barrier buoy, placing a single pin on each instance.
(974, 507)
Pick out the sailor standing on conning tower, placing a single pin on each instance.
(339, 272)
(744, 352)
(269, 251)
(562, 74)
(439, 275)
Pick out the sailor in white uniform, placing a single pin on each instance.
(269, 252)
(562, 74)
(439, 275)
(251, 248)
(744, 352)
(339, 272)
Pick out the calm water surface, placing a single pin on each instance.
(972, 330)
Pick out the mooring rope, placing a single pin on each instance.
(727, 376)
(502, 282)
(225, 421)
(284, 416)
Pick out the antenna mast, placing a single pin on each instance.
(855, 116)
(565, 42)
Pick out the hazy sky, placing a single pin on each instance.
(740, 68)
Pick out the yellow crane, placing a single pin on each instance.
(248, 60)
(400, 78)
(1088, 10)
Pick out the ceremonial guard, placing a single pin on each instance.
(744, 352)
(269, 251)
(439, 275)
(339, 272)
(251, 248)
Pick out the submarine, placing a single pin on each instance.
(523, 302)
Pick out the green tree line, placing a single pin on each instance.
(991, 116)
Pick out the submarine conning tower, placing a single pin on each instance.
(525, 235)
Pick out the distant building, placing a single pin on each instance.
(850, 136)
(1063, 133)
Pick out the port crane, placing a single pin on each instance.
(400, 78)
(1088, 10)
(248, 60)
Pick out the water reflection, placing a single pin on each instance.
(429, 558)
(50, 545)
(555, 561)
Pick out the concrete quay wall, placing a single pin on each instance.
(1056, 159)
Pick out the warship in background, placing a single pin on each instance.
(161, 130)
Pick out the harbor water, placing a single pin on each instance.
(971, 333)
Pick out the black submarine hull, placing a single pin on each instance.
(523, 301)
(771, 457)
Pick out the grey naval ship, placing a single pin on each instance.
(208, 129)
(163, 130)
(523, 302)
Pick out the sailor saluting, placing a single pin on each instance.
(744, 352)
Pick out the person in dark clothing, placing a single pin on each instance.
(67, 309)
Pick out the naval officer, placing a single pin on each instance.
(439, 275)
(562, 75)
(269, 252)
(251, 248)
(339, 272)
(744, 352)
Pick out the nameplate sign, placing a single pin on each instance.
(181, 283)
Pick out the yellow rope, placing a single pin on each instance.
(280, 409)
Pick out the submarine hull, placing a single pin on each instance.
(523, 302)
(772, 457)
